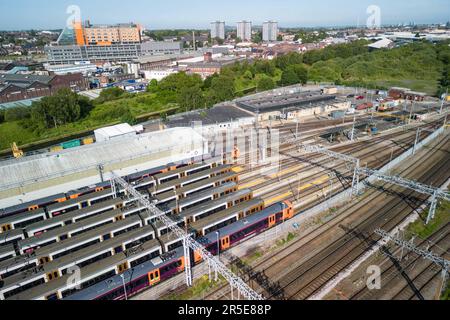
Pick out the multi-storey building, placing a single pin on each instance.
(244, 30)
(218, 30)
(88, 34)
(270, 31)
(99, 44)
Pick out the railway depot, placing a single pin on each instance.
(80, 216)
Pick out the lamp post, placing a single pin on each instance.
(218, 244)
(124, 286)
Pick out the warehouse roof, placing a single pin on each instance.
(302, 100)
(382, 44)
(54, 165)
(117, 130)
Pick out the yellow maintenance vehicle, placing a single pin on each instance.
(17, 153)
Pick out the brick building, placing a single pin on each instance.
(15, 87)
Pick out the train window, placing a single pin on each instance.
(52, 297)
(122, 267)
(44, 260)
(23, 224)
(23, 288)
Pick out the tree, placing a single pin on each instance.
(222, 89)
(110, 94)
(257, 37)
(265, 83)
(301, 71)
(219, 41)
(153, 86)
(248, 75)
(17, 113)
(191, 98)
(208, 81)
(63, 107)
(289, 77)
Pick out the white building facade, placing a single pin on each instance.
(244, 30)
(270, 31)
(218, 30)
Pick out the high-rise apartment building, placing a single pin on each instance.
(244, 30)
(270, 31)
(218, 30)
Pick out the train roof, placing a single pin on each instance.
(74, 214)
(218, 202)
(86, 197)
(196, 197)
(85, 237)
(135, 273)
(172, 173)
(21, 216)
(228, 230)
(24, 206)
(242, 207)
(161, 225)
(78, 226)
(10, 235)
(169, 238)
(6, 249)
(187, 179)
(76, 257)
(91, 271)
(195, 186)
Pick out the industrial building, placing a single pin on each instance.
(406, 94)
(294, 105)
(16, 87)
(209, 65)
(28, 178)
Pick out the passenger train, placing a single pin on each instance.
(140, 266)
(140, 180)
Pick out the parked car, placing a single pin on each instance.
(359, 97)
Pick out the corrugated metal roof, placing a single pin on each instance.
(53, 165)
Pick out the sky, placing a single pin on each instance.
(161, 14)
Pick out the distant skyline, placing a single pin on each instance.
(179, 14)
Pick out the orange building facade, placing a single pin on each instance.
(106, 35)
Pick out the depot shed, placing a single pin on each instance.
(108, 133)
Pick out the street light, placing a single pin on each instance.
(124, 286)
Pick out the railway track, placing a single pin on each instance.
(352, 149)
(307, 278)
(375, 157)
(283, 256)
(394, 284)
